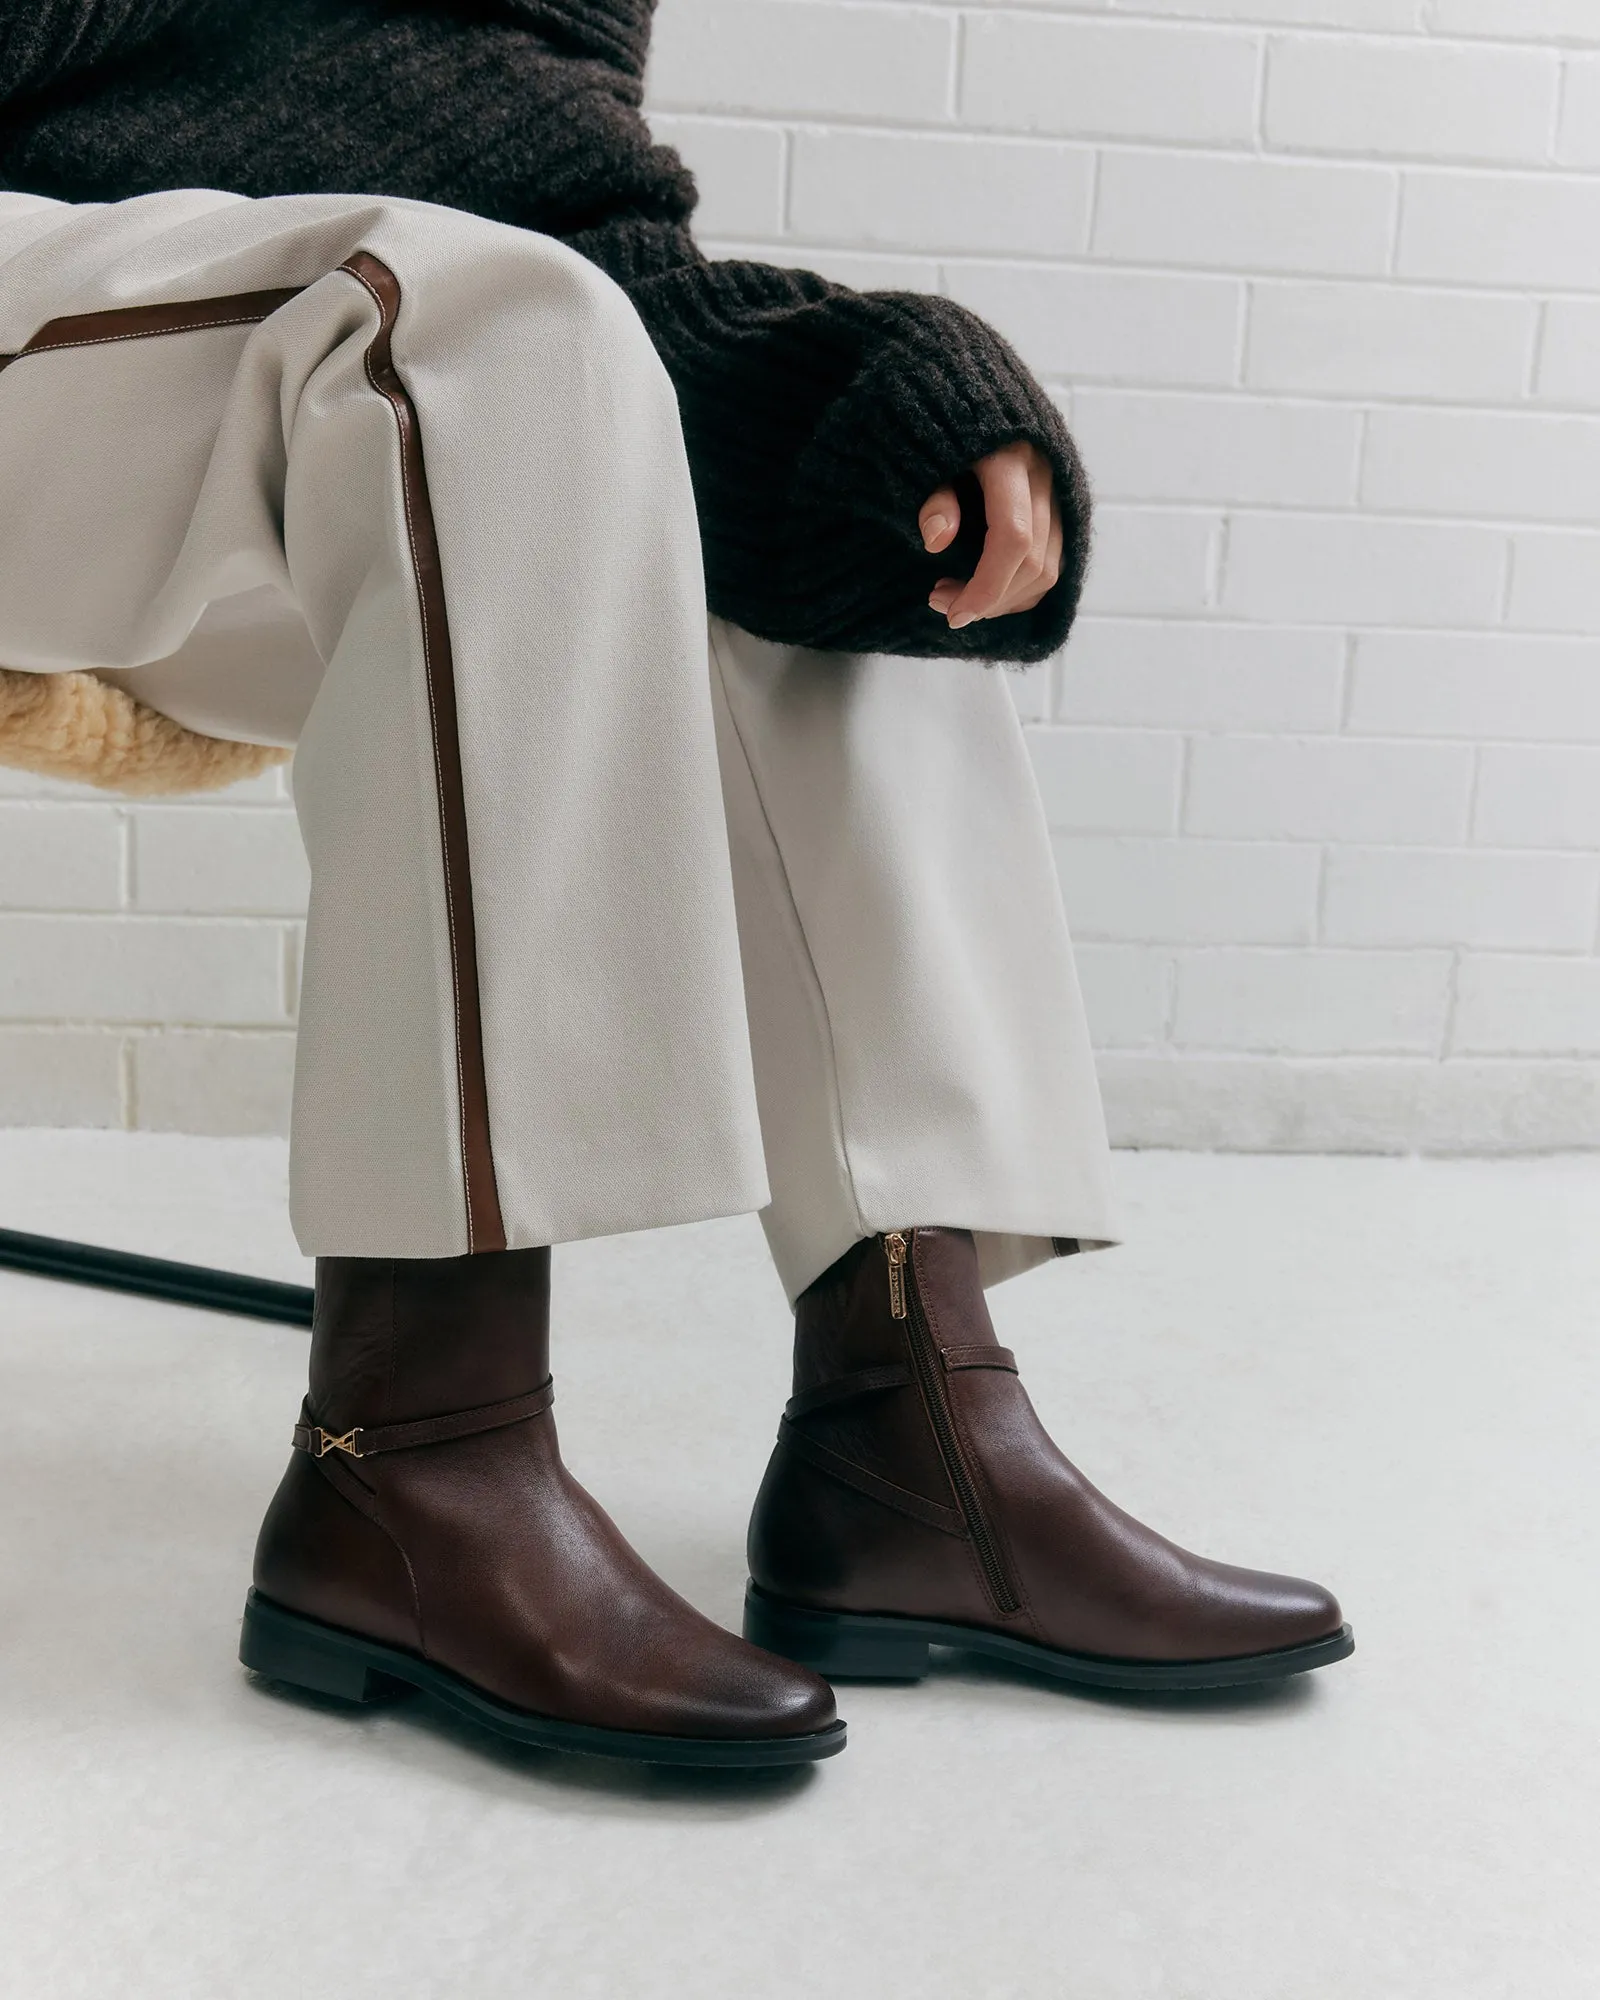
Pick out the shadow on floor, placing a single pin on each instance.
(418, 1729)
(1261, 1701)
(513, 1767)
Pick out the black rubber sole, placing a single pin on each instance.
(305, 1653)
(847, 1645)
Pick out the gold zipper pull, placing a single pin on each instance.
(894, 1248)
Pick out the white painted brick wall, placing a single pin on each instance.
(1318, 283)
(1406, 100)
(1555, 583)
(1083, 79)
(1569, 361)
(1541, 231)
(1383, 342)
(148, 957)
(1241, 213)
(1579, 141)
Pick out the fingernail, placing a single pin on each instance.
(935, 526)
(961, 618)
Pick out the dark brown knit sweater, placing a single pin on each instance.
(817, 419)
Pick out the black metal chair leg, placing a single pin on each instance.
(155, 1278)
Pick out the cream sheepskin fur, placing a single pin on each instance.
(75, 726)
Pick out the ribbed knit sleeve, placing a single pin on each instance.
(44, 41)
(818, 421)
(616, 32)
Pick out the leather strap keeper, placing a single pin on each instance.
(864, 1382)
(917, 1506)
(979, 1357)
(366, 1441)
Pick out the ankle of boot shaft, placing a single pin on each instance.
(397, 1339)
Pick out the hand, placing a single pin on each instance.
(1021, 557)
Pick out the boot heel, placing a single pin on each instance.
(839, 1645)
(284, 1647)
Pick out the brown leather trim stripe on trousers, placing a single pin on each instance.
(485, 1226)
(140, 322)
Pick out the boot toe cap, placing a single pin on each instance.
(1277, 1612)
(780, 1698)
(1313, 1610)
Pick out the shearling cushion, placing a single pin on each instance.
(75, 726)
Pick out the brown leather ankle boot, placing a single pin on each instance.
(914, 1498)
(427, 1535)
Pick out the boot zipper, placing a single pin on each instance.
(905, 1303)
(894, 1248)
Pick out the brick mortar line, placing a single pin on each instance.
(1537, 350)
(1243, 27)
(1383, 1052)
(1204, 619)
(1254, 396)
(148, 919)
(1081, 261)
(1092, 206)
(1474, 791)
(1287, 952)
(127, 1085)
(1396, 847)
(1363, 739)
(1313, 946)
(108, 1029)
(1113, 502)
(1180, 828)
(1347, 689)
(1218, 550)
(1065, 10)
(1185, 620)
(1508, 580)
(1355, 738)
(1409, 1058)
(1258, 108)
(1368, 162)
(1169, 1000)
(80, 1025)
(1414, 37)
(1558, 108)
(1243, 328)
(1322, 510)
(1299, 843)
(1186, 836)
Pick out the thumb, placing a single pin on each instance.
(939, 519)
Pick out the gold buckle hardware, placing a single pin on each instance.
(326, 1442)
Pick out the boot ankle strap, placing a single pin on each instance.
(892, 1375)
(366, 1441)
(979, 1357)
(864, 1382)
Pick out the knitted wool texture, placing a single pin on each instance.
(817, 419)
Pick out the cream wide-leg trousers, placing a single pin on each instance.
(599, 939)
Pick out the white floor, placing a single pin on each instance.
(1379, 1372)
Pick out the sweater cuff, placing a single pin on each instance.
(936, 391)
(818, 421)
